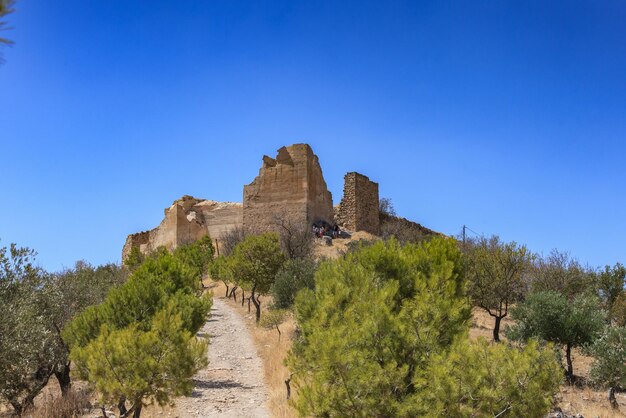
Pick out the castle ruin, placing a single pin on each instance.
(358, 210)
(291, 185)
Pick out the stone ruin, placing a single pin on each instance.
(358, 210)
(291, 185)
(186, 220)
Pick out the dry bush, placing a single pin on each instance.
(296, 239)
(70, 406)
(228, 240)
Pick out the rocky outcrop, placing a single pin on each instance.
(289, 186)
(187, 220)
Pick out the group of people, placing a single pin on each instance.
(321, 230)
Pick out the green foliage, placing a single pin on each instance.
(618, 311)
(273, 319)
(220, 270)
(6, 7)
(558, 272)
(551, 317)
(148, 290)
(371, 324)
(27, 345)
(35, 307)
(385, 333)
(610, 285)
(256, 260)
(134, 259)
(197, 255)
(295, 275)
(495, 271)
(155, 364)
(254, 263)
(609, 351)
(479, 379)
(138, 343)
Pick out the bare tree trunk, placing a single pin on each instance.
(257, 305)
(42, 376)
(121, 405)
(570, 367)
(243, 295)
(612, 398)
(288, 384)
(64, 379)
(137, 412)
(249, 304)
(233, 292)
(496, 329)
(227, 287)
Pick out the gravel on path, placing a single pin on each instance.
(232, 384)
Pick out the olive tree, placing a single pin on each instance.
(609, 367)
(551, 317)
(27, 347)
(495, 270)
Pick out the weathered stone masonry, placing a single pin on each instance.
(289, 186)
(358, 210)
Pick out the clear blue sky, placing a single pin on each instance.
(506, 116)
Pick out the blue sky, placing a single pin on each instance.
(509, 117)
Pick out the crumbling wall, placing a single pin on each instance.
(289, 186)
(185, 221)
(358, 210)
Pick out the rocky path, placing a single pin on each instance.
(232, 384)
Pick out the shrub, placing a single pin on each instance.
(387, 321)
(295, 275)
(551, 317)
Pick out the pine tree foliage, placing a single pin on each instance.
(383, 322)
(478, 379)
(197, 255)
(157, 364)
(139, 344)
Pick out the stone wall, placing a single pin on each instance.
(358, 210)
(185, 221)
(289, 186)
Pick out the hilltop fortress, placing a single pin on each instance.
(290, 186)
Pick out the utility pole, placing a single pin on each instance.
(464, 227)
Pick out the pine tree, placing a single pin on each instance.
(382, 325)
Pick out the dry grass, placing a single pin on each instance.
(70, 406)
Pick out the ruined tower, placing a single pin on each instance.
(358, 210)
(288, 186)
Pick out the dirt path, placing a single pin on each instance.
(232, 384)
